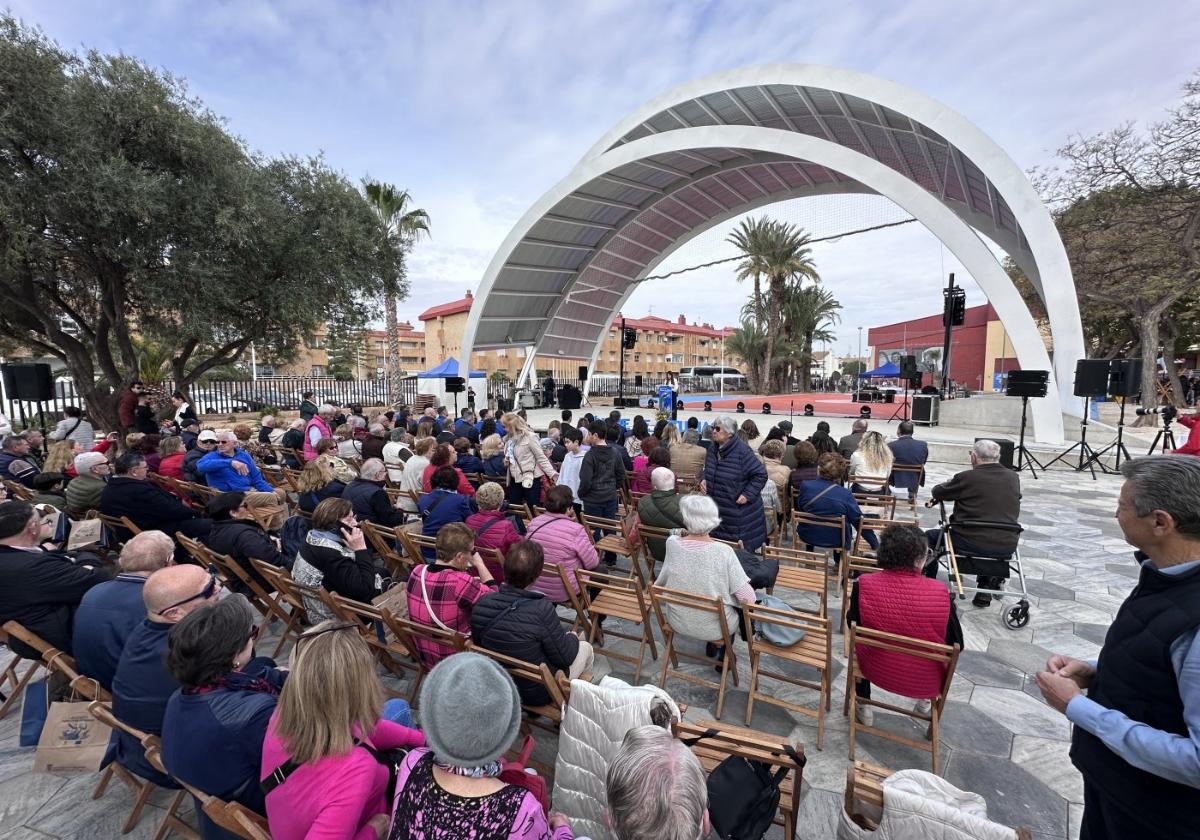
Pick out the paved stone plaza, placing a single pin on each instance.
(998, 738)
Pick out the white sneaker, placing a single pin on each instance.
(864, 715)
(923, 707)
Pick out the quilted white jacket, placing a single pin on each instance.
(921, 806)
(596, 720)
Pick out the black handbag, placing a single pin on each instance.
(743, 795)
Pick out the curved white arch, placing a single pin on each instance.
(948, 227)
(1045, 262)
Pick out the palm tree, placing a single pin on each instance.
(779, 252)
(808, 314)
(400, 228)
(748, 343)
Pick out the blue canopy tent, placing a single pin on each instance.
(888, 371)
(446, 370)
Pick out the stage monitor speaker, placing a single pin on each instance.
(28, 381)
(908, 367)
(1007, 450)
(1091, 377)
(569, 397)
(1028, 383)
(1124, 377)
(925, 409)
(583, 373)
(455, 384)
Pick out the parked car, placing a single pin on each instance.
(257, 400)
(218, 402)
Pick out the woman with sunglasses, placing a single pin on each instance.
(215, 724)
(326, 766)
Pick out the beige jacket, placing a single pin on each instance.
(528, 459)
(688, 459)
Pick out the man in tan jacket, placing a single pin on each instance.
(687, 458)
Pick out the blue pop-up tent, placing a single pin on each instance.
(888, 371)
(447, 369)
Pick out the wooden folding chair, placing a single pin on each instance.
(522, 510)
(619, 597)
(909, 503)
(269, 604)
(686, 483)
(17, 490)
(876, 505)
(548, 716)
(855, 566)
(418, 632)
(801, 571)
(813, 650)
(392, 646)
(232, 817)
(663, 598)
(615, 538)
(860, 547)
(647, 533)
(864, 794)
(832, 525)
(139, 787)
(203, 492)
(554, 572)
(713, 742)
(118, 527)
(299, 598)
(945, 655)
(13, 683)
(383, 540)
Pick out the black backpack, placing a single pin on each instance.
(743, 795)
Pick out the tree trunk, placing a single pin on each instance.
(1170, 335)
(1149, 326)
(393, 347)
(806, 368)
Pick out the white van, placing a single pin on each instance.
(710, 378)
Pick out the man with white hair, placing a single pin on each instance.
(848, 445)
(369, 498)
(231, 469)
(268, 426)
(660, 508)
(110, 611)
(656, 788)
(374, 442)
(988, 492)
(83, 492)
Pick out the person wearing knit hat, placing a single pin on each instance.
(470, 714)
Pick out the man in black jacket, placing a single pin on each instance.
(39, 588)
(369, 498)
(523, 624)
(988, 492)
(147, 505)
(238, 535)
(206, 442)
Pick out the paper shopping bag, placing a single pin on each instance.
(72, 741)
(85, 532)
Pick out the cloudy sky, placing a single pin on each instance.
(478, 107)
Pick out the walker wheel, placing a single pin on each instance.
(1017, 616)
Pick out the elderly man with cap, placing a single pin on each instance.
(470, 714)
(206, 442)
(142, 685)
(83, 492)
(110, 611)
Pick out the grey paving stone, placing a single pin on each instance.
(983, 669)
(964, 727)
(1020, 713)
(1024, 656)
(1045, 589)
(1014, 797)
(1092, 632)
(1129, 570)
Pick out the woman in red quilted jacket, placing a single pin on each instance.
(899, 599)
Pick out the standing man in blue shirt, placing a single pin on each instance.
(1137, 730)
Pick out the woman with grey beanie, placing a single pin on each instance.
(470, 714)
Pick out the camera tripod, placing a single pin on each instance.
(1088, 457)
(1117, 447)
(1165, 435)
(1024, 456)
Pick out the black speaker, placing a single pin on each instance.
(637, 381)
(1124, 377)
(1028, 383)
(1091, 377)
(455, 384)
(908, 367)
(1007, 450)
(766, 409)
(583, 373)
(708, 405)
(914, 381)
(741, 407)
(28, 381)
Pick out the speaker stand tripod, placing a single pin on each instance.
(902, 409)
(1166, 436)
(1024, 456)
(1117, 447)
(1087, 455)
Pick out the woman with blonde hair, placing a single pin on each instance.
(347, 445)
(413, 477)
(871, 465)
(171, 453)
(527, 462)
(670, 436)
(316, 483)
(326, 449)
(61, 457)
(491, 452)
(324, 754)
(748, 431)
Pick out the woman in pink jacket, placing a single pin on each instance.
(325, 770)
(563, 540)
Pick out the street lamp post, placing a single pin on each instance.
(861, 369)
